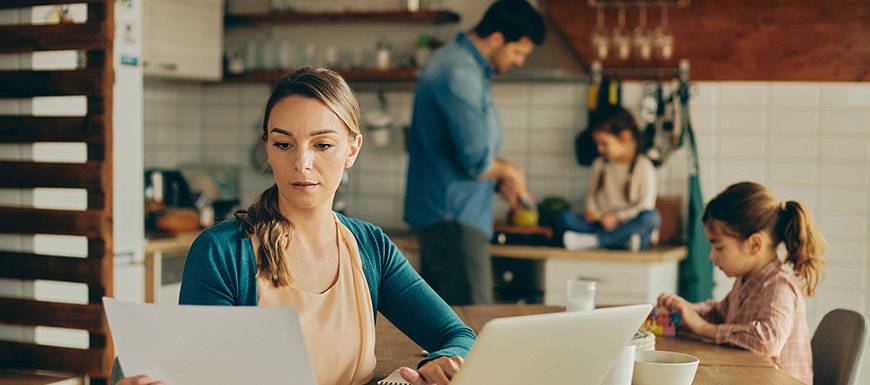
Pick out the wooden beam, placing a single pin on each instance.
(69, 360)
(32, 3)
(28, 312)
(28, 84)
(104, 10)
(32, 129)
(89, 223)
(26, 38)
(54, 268)
(51, 175)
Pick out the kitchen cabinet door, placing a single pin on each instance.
(183, 39)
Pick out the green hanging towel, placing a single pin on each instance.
(696, 271)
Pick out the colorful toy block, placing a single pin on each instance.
(662, 321)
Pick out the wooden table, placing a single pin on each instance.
(719, 365)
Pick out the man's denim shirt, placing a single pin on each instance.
(454, 137)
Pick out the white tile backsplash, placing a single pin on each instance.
(742, 146)
(795, 94)
(743, 119)
(851, 121)
(733, 171)
(793, 172)
(844, 173)
(793, 120)
(841, 199)
(553, 143)
(553, 117)
(744, 94)
(841, 277)
(836, 223)
(705, 120)
(846, 95)
(559, 94)
(511, 94)
(793, 146)
(852, 147)
(846, 252)
(514, 118)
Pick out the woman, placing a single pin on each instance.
(290, 249)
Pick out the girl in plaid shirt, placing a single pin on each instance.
(765, 312)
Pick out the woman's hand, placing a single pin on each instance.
(139, 380)
(438, 371)
(609, 222)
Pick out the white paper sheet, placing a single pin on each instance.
(215, 345)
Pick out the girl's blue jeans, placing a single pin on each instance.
(643, 224)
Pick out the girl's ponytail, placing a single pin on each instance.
(747, 208)
(804, 244)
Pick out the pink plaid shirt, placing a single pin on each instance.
(767, 315)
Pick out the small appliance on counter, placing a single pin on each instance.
(215, 188)
(168, 202)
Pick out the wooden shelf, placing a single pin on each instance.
(438, 17)
(393, 75)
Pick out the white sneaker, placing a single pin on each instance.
(579, 241)
(634, 243)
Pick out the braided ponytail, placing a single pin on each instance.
(263, 221)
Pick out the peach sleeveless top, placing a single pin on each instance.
(338, 324)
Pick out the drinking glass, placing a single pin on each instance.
(581, 295)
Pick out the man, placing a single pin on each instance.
(455, 135)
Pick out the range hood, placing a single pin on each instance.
(555, 60)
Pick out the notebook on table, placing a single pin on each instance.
(556, 348)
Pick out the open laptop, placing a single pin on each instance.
(556, 348)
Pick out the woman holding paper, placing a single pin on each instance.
(290, 249)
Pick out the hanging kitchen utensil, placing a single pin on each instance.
(620, 37)
(643, 36)
(599, 107)
(599, 37)
(664, 37)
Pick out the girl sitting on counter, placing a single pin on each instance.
(620, 203)
(765, 312)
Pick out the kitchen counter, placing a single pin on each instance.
(661, 253)
(622, 276)
(164, 258)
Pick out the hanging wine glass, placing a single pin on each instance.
(643, 37)
(620, 37)
(664, 37)
(600, 37)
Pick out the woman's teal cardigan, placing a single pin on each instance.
(221, 270)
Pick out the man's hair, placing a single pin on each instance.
(514, 19)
